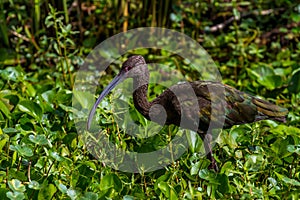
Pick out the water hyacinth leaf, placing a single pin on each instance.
(16, 185)
(223, 183)
(111, 181)
(271, 82)
(208, 175)
(61, 187)
(22, 150)
(294, 84)
(265, 76)
(254, 162)
(47, 191)
(127, 197)
(89, 196)
(4, 138)
(294, 149)
(10, 130)
(31, 108)
(85, 99)
(56, 156)
(280, 147)
(49, 96)
(15, 195)
(72, 194)
(34, 185)
(38, 139)
(4, 108)
(30, 89)
(167, 190)
(12, 73)
(287, 180)
(195, 168)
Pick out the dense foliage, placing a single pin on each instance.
(43, 43)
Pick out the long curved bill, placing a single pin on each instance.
(119, 78)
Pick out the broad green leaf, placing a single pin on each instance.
(56, 156)
(12, 73)
(294, 84)
(38, 139)
(4, 108)
(10, 130)
(254, 162)
(110, 181)
(287, 180)
(47, 192)
(89, 196)
(31, 108)
(280, 147)
(224, 186)
(16, 185)
(195, 168)
(294, 149)
(72, 194)
(127, 197)
(208, 175)
(30, 89)
(49, 96)
(167, 190)
(271, 82)
(85, 99)
(4, 138)
(61, 187)
(22, 150)
(34, 185)
(15, 195)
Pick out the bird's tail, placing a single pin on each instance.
(270, 110)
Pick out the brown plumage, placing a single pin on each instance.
(192, 102)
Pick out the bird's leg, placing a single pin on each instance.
(207, 139)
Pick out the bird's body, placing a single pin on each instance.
(198, 103)
(239, 107)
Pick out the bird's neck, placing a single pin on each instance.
(140, 94)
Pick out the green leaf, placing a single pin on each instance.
(294, 84)
(30, 89)
(34, 185)
(208, 175)
(127, 197)
(111, 181)
(4, 138)
(224, 186)
(22, 150)
(12, 73)
(16, 185)
(31, 108)
(85, 99)
(4, 108)
(15, 195)
(167, 190)
(271, 82)
(56, 156)
(287, 180)
(89, 196)
(294, 149)
(72, 194)
(38, 139)
(10, 130)
(280, 147)
(47, 192)
(61, 187)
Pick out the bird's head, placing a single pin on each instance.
(132, 67)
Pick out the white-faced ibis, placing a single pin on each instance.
(239, 108)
